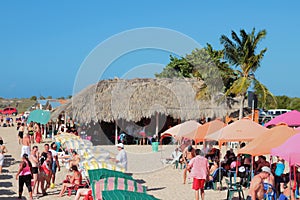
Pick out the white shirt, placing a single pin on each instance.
(54, 154)
(122, 158)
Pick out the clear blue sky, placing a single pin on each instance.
(43, 43)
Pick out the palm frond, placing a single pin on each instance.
(263, 93)
(239, 87)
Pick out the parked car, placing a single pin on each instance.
(276, 112)
(9, 111)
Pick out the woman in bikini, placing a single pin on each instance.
(71, 181)
(31, 132)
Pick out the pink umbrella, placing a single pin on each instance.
(289, 150)
(291, 118)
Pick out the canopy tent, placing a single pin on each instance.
(289, 150)
(187, 129)
(271, 138)
(291, 118)
(241, 130)
(39, 116)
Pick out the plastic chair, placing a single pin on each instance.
(76, 187)
(233, 188)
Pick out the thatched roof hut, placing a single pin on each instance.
(114, 99)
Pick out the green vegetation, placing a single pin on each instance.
(285, 102)
(236, 64)
(21, 104)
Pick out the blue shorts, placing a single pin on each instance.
(54, 167)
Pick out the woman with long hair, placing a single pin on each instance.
(71, 181)
(24, 175)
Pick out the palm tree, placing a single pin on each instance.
(240, 52)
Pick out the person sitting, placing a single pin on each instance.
(176, 155)
(86, 192)
(262, 162)
(71, 181)
(74, 160)
(212, 169)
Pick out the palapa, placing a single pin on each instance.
(134, 99)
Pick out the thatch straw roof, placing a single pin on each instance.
(113, 99)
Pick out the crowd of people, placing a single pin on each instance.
(269, 178)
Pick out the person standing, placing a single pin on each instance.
(121, 157)
(21, 133)
(38, 134)
(31, 132)
(34, 159)
(24, 175)
(26, 145)
(2, 151)
(187, 155)
(55, 163)
(256, 190)
(199, 171)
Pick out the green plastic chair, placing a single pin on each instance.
(125, 195)
(233, 188)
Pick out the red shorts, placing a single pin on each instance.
(198, 184)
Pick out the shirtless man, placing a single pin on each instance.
(26, 145)
(187, 155)
(256, 191)
(34, 159)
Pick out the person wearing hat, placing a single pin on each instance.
(256, 190)
(121, 157)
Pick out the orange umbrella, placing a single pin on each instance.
(241, 130)
(271, 138)
(208, 128)
(187, 129)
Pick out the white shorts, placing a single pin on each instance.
(25, 149)
(1, 159)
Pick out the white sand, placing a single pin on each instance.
(164, 182)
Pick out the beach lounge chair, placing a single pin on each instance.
(126, 195)
(97, 174)
(76, 187)
(115, 183)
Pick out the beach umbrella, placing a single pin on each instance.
(289, 150)
(187, 129)
(271, 138)
(208, 128)
(291, 118)
(238, 131)
(39, 116)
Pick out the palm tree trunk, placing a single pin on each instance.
(241, 114)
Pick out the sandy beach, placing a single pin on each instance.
(162, 181)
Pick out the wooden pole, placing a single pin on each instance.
(116, 132)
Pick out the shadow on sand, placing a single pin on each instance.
(154, 189)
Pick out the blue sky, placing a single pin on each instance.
(44, 43)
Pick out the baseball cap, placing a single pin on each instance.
(266, 169)
(120, 145)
